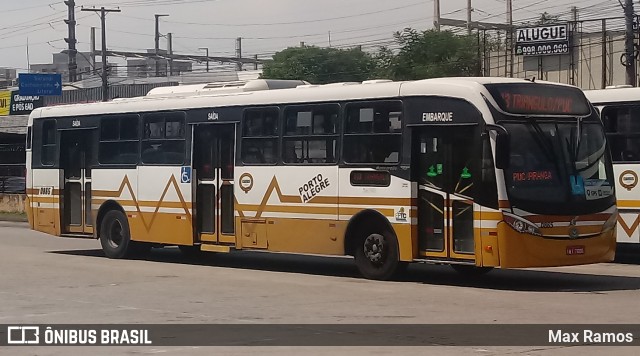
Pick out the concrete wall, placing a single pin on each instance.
(12, 203)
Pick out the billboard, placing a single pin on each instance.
(12, 103)
(543, 40)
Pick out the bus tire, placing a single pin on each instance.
(471, 271)
(377, 256)
(115, 236)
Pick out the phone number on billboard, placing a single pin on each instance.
(539, 49)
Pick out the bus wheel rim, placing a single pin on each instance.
(375, 248)
(115, 234)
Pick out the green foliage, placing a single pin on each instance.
(421, 55)
(320, 65)
(429, 54)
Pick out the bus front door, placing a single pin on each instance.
(75, 162)
(213, 164)
(445, 166)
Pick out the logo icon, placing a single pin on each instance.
(573, 230)
(185, 175)
(23, 335)
(246, 182)
(401, 215)
(628, 180)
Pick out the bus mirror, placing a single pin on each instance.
(503, 146)
(503, 150)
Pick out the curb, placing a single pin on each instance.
(9, 217)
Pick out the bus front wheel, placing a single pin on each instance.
(115, 236)
(377, 256)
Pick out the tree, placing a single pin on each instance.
(429, 54)
(546, 18)
(320, 65)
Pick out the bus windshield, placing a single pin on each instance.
(558, 166)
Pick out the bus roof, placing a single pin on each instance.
(259, 93)
(613, 95)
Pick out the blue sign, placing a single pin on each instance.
(185, 175)
(40, 84)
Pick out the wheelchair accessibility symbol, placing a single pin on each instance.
(185, 175)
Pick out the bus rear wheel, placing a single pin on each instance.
(377, 256)
(115, 236)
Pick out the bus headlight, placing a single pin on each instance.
(611, 222)
(521, 225)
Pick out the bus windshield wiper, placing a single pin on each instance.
(543, 141)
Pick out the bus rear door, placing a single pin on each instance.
(213, 164)
(75, 163)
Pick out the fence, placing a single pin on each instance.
(12, 178)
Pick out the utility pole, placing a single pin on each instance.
(71, 40)
(469, 17)
(92, 55)
(604, 54)
(170, 50)
(436, 14)
(239, 53)
(574, 41)
(510, 36)
(157, 42)
(207, 54)
(103, 15)
(630, 63)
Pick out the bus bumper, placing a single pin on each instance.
(518, 250)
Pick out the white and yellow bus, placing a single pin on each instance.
(472, 172)
(619, 108)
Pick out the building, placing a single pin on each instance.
(146, 67)
(7, 77)
(60, 65)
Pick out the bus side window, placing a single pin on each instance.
(164, 139)
(259, 143)
(487, 192)
(373, 132)
(310, 135)
(622, 126)
(47, 155)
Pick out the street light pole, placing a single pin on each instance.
(157, 40)
(207, 53)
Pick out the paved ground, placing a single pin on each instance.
(50, 280)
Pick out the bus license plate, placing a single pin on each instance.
(575, 250)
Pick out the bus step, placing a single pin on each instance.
(215, 248)
(77, 236)
(445, 261)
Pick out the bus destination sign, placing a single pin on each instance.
(539, 99)
(542, 40)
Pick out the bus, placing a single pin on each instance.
(619, 108)
(476, 173)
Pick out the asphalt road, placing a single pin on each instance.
(49, 280)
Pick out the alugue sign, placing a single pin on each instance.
(543, 40)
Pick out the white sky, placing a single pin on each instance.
(266, 26)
